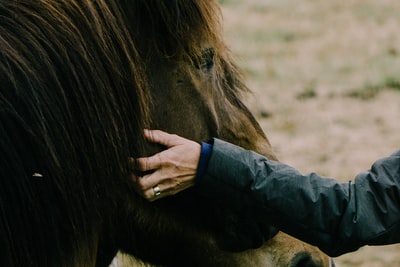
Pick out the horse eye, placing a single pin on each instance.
(206, 61)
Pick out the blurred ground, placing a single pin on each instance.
(326, 82)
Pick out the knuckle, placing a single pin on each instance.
(142, 187)
(155, 134)
(148, 195)
(140, 184)
(166, 161)
(140, 164)
(170, 162)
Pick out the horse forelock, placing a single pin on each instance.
(173, 28)
(183, 30)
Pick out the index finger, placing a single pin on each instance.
(148, 163)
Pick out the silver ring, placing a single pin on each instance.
(156, 190)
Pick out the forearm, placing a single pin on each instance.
(336, 217)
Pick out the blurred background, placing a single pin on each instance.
(325, 77)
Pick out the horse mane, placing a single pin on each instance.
(73, 103)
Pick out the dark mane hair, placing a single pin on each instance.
(172, 28)
(73, 101)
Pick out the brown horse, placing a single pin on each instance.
(196, 89)
(75, 77)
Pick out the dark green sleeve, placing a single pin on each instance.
(336, 217)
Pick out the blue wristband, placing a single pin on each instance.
(205, 155)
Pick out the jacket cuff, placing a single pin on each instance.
(205, 155)
(219, 179)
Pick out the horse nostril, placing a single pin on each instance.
(304, 260)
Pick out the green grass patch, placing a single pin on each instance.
(392, 83)
(371, 90)
(228, 2)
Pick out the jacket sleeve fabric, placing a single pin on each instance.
(336, 217)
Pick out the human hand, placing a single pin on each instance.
(174, 169)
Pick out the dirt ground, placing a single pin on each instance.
(326, 85)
